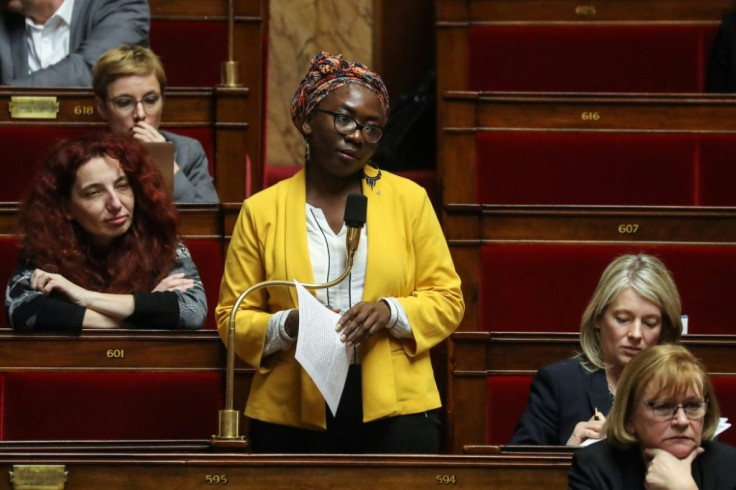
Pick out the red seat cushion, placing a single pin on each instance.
(717, 171)
(545, 287)
(536, 167)
(111, 405)
(506, 400)
(591, 57)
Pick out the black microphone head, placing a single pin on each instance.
(355, 209)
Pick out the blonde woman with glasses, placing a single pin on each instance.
(129, 83)
(660, 430)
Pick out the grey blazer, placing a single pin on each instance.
(192, 183)
(97, 25)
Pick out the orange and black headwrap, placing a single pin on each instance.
(326, 73)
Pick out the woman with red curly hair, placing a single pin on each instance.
(101, 245)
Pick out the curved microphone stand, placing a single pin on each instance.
(228, 419)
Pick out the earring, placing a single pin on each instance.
(306, 150)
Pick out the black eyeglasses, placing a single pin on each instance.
(694, 410)
(345, 124)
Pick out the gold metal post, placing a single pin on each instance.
(230, 76)
(228, 418)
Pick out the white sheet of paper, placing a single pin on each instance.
(723, 424)
(319, 349)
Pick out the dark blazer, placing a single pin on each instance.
(561, 395)
(97, 25)
(603, 467)
(721, 74)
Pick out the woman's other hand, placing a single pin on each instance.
(144, 132)
(174, 282)
(363, 320)
(47, 283)
(588, 429)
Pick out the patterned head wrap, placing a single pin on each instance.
(326, 73)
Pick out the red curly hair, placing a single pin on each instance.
(138, 259)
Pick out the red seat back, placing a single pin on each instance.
(590, 57)
(545, 287)
(111, 405)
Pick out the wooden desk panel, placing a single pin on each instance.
(487, 223)
(479, 11)
(94, 467)
(588, 112)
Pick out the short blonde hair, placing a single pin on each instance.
(125, 61)
(650, 279)
(668, 367)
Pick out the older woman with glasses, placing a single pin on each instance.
(401, 298)
(129, 83)
(659, 430)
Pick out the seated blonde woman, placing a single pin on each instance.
(660, 430)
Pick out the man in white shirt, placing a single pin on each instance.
(57, 42)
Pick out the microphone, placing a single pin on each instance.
(355, 211)
(228, 419)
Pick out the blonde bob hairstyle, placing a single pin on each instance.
(650, 279)
(672, 369)
(125, 61)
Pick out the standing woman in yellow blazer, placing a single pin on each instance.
(401, 298)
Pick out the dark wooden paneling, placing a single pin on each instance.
(95, 466)
(467, 224)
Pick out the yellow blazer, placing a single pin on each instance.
(407, 258)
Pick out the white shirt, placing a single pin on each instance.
(48, 43)
(328, 258)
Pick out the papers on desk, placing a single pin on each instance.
(723, 424)
(319, 349)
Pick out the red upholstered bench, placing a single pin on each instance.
(585, 168)
(545, 287)
(192, 52)
(110, 405)
(506, 399)
(207, 255)
(589, 57)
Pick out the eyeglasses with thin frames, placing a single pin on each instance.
(345, 124)
(126, 105)
(694, 410)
